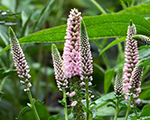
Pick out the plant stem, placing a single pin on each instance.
(129, 108)
(32, 103)
(87, 99)
(117, 110)
(98, 6)
(65, 109)
(135, 110)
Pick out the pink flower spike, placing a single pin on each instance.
(131, 58)
(71, 60)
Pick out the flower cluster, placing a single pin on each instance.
(85, 56)
(135, 82)
(19, 60)
(71, 60)
(131, 58)
(59, 74)
(118, 83)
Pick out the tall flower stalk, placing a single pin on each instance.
(22, 68)
(132, 73)
(118, 89)
(72, 63)
(135, 83)
(62, 83)
(131, 58)
(86, 65)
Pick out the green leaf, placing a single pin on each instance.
(1, 95)
(114, 25)
(23, 111)
(103, 100)
(148, 92)
(44, 14)
(107, 79)
(145, 118)
(144, 47)
(42, 111)
(142, 10)
(112, 44)
(145, 63)
(4, 73)
(102, 109)
(110, 105)
(99, 67)
(55, 117)
(145, 110)
(103, 26)
(55, 34)
(25, 23)
(105, 111)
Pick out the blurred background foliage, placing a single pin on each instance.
(29, 16)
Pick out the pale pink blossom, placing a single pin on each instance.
(138, 101)
(73, 103)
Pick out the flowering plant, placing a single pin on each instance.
(94, 67)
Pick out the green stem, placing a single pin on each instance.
(117, 111)
(32, 103)
(135, 110)
(87, 100)
(98, 6)
(65, 109)
(128, 108)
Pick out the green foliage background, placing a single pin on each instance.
(39, 23)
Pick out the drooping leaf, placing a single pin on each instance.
(112, 44)
(100, 68)
(23, 111)
(107, 79)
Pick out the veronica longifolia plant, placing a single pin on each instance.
(131, 58)
(72, 62)
(73, 73)
(132, 73)
(22, 68)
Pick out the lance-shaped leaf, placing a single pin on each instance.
(103, 26)
(142, 39)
